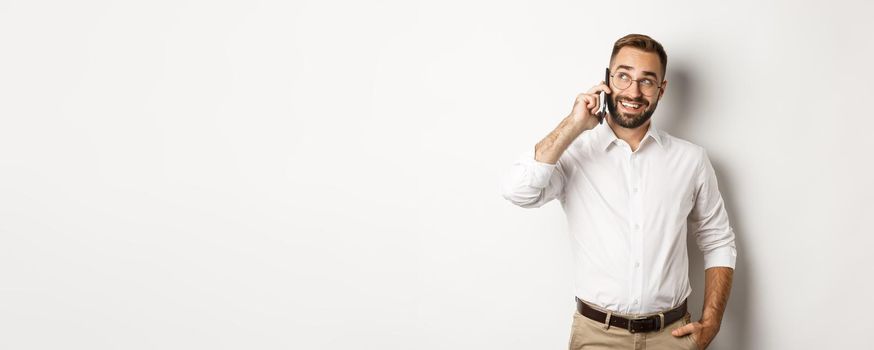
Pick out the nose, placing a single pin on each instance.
(634, 89)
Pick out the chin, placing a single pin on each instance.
(632, 122)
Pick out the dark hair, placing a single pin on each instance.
(642, 42)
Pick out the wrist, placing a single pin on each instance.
(710, 322)
(579, 124)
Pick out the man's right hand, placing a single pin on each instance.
(582, 118)
(586, 106)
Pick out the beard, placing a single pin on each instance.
(630, 121)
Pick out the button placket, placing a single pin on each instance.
(636, 210)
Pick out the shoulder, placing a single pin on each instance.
(586, 138)
(682, 146)
(584, 144)
(685, 151)
(579, 151)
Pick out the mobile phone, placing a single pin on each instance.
(603, 109)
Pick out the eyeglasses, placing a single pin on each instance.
(623, 81)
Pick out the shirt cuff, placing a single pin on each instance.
(540, 173)
(722, 256)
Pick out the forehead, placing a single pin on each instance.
(638, 60)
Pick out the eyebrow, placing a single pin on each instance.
(646, 72)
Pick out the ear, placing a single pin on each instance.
(664, 87)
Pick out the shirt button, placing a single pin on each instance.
(636, 226)
(636, 264)
(634, 190)
(635, 302)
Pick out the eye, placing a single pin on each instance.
(624, 76)
(647, 82)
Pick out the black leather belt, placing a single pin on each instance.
(635, 325)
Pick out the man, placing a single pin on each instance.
(629, 191)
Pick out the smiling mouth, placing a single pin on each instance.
(631, 106)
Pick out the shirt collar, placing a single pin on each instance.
(607, 137)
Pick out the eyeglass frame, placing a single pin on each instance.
(659, 86)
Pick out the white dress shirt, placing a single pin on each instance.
(627, 214)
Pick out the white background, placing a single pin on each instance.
(325, 174)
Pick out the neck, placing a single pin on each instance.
(630, 136)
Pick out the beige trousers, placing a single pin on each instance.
(588, 334)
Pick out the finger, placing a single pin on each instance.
(592, 103)
(607, 88)
(591, 100)
(687, 329)
(598, 88)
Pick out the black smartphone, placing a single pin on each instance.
(603, 109)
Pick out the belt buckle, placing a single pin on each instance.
(632, 321)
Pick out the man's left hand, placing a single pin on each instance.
(702, 332)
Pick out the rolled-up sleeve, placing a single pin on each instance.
(709, 220)
(531, 184)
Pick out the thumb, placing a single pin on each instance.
(687, 329)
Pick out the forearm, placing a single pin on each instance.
(717, 287)
(550, 149)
